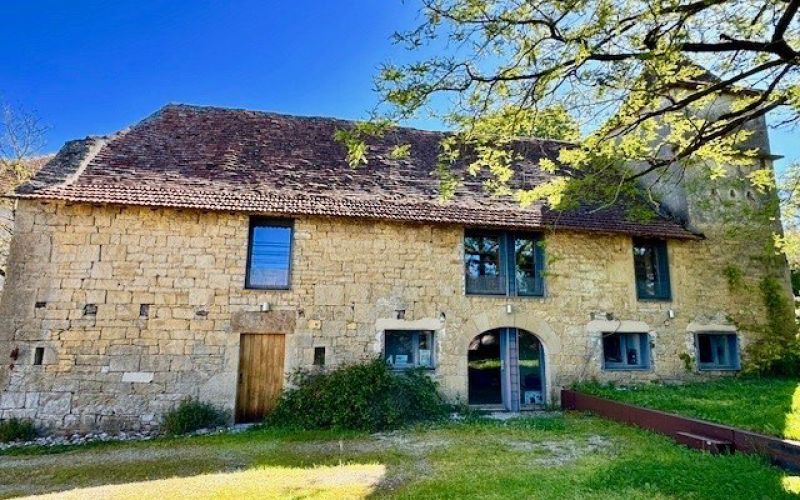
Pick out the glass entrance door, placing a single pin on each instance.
(506, 369)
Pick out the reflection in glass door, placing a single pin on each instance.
(530, 370)
(484, 366)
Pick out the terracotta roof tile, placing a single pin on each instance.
(237, 160)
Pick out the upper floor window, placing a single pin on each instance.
(717, 351)
(269, 254)
(651, 268)
(626, 351)
(501, 263)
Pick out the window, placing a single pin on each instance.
(269, 254)
(497, 263)
(626, 351)
(408, 348)
(651, 269)
(717, 351)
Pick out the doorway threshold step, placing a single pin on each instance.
(712, 445)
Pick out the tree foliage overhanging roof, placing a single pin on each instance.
(628, 80)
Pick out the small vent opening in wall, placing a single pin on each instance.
(319, 356)
(90, 310)
(144, 310)
(40, 305)
(38, 355)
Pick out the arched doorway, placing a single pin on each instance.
(506, 369)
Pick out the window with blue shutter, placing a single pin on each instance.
(651, 268)
(503, 263)
(269, 254)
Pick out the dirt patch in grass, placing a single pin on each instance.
(562, 451)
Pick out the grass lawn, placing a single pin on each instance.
(572, 456)
(767, 405)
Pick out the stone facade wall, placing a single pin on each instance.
(6, 231)
(11, 177)
(113, 367)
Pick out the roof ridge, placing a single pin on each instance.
(205, 107)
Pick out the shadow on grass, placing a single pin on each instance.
(476, 459)
(43, 470)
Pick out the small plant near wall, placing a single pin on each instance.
(735, 277)
(688, 361)
(16, 430)
(776, 351)
(366, 396)
(191, 415)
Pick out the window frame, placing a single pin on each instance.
(732, 340)
(644, 348)
(417, 332)
(257, 221)
(507, 261)
(662, 267)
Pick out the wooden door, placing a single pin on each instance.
(260, 375)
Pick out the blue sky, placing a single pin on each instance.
(93, 67)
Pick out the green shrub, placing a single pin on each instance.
(367, 396)
(16, 430)
(191, 415)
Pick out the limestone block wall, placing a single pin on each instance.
(137, 308)
(6, 231)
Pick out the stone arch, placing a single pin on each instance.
(499, 317)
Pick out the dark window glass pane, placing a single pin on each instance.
(483, 266)
(704, 349)
(720, 350)
(633, 350)
(425, 349)
(612, 349)
(269, 256)
(399, 349)
(651, 269)
(733, 351)
(528, 278)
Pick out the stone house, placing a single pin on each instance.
(210, 252)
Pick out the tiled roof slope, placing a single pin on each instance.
(237, 160)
